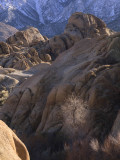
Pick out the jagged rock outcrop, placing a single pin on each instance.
(11, 146)
(79, 26)
(18, 52)
(50, 16)
(89, 69)
(28, 48)
(85, 25)
(21, 61)
(26, 38)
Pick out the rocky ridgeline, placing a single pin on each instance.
(18, 53)
(28, 48)
(51, 16)
(87, 65)
(79, 26)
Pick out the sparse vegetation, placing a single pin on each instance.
(75, 116)
(92, 150)
(78, 145)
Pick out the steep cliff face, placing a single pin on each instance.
(50, 16)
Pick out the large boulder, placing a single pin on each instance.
(79, 26)
(85, 25)
(11, 147)
(18, 52)
(87, 72)
(28, 37)
(22, 60)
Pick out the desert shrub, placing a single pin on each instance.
(74, 141)
(92, 150)
(76, 117)
(82, 120)
(52, 146)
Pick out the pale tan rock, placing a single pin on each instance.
(11, 148)
(21, 61)
(85, 25)
(29, 48)
(79, 26)
(29, 37)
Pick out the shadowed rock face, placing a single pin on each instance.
(89, 68)
(10, 145)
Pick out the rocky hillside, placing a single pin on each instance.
(51, 16)
(72, 90)
(6, 31)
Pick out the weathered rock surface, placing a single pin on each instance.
(51, 16)
(22, 60)
(26, 38)
(79, 27)
(89, 69)
(11, 78)
(18, 52)
(11, 148)
(85, 25)
(28, 48)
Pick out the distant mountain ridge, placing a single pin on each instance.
(50, 16)
(6, 31)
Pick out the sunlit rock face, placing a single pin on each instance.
(51, 16)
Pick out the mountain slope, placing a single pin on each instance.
(6, 31)
(50, 16)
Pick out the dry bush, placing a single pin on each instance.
(51, 147)
(92, 150)
(76, 117)
(81, 120)
(78, 145)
